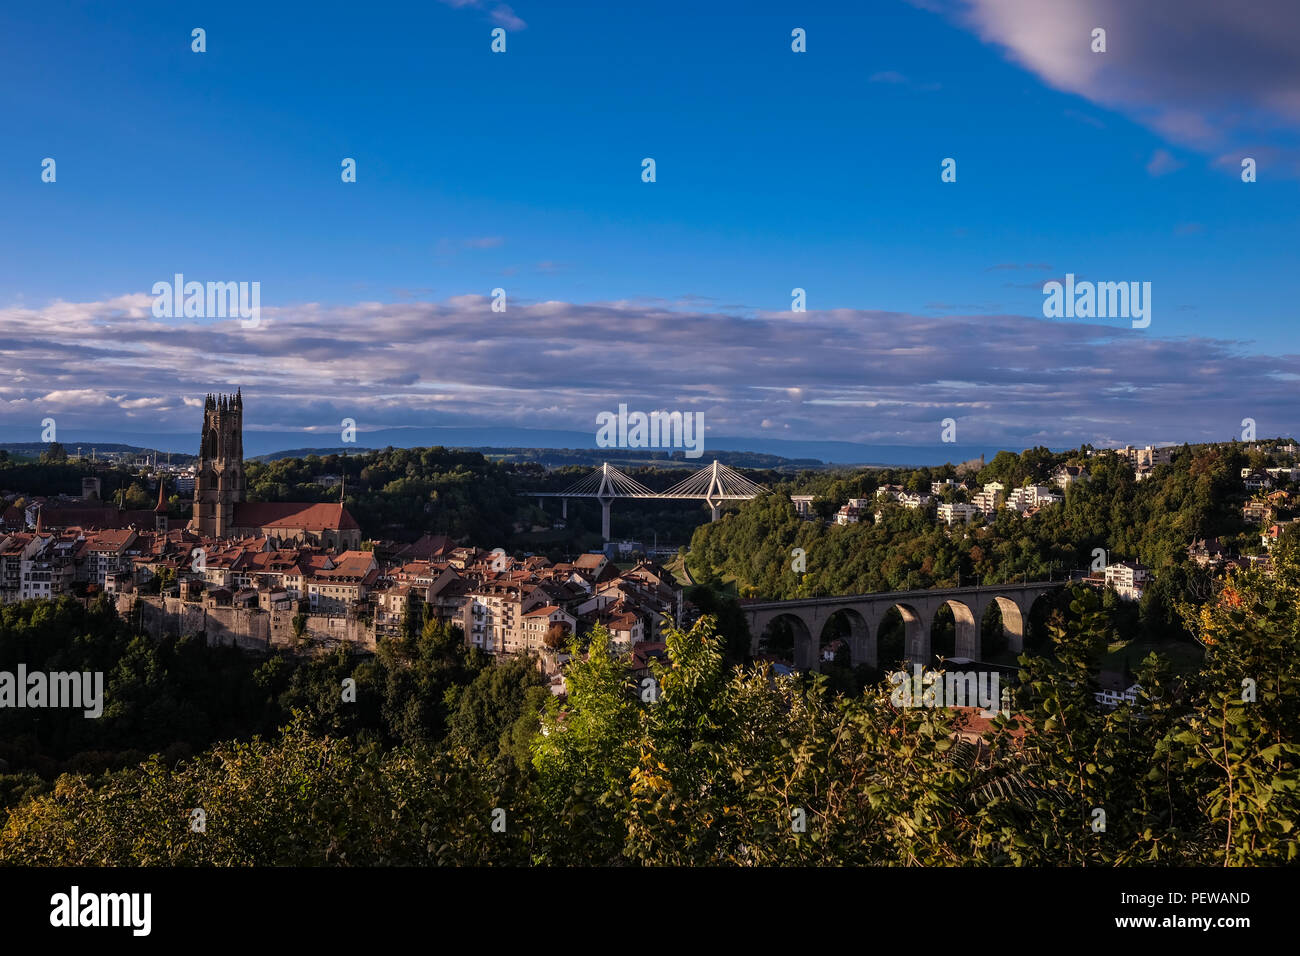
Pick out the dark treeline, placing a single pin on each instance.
(53, 474)
(177, 696)
(399, 493)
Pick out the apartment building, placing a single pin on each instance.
(1128, 578)
(1032, 496)
(15, 549)
(107, 552)
(1148, 457)
(494, 611)
(540, 621)
(951, 512)
(990, 499)
(337, 589)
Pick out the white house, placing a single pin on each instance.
(1111, 699)
(1128, 578)
(1067, 475)
(1255, 480)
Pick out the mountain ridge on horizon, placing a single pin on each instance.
(276, 442)
(279, 443)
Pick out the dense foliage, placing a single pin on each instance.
(457, 493)
(710, 764)
(176, 697)
(403, 492)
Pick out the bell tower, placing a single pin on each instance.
(219, 484)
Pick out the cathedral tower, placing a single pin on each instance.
(219, 484)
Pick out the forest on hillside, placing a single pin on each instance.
(1153, 521)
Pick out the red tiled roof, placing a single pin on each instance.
(294, 515)
(114, 540)
(546, 611)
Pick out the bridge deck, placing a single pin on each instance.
(593, 494)
(900, 595)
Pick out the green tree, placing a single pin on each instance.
(484, 713)
(53, 453)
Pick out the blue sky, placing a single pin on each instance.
(774, 170)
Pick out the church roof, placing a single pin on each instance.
(306, 516)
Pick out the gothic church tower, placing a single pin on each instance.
(219, 485)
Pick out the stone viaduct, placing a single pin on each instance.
(864, 614)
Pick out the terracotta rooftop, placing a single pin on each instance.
(291, 515)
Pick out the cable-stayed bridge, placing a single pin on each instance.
(715, 483)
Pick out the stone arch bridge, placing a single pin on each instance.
(864, 614)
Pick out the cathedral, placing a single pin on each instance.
(219, 483)
(220, 510)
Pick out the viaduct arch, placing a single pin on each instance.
(866, 612)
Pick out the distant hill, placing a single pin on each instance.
(103, 450)
(560, 457)
(508, 439)
(304, 452)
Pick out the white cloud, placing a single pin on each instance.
(499, 13)
(842, 375)
(1202, 73)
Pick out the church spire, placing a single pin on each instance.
(162, 504)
